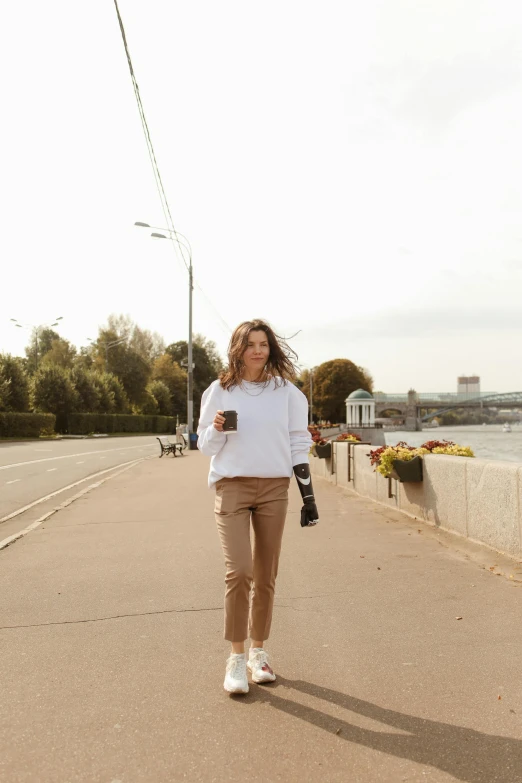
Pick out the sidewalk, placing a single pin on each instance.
(112, 656)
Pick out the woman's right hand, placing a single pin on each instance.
(219, 420)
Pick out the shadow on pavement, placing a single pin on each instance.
(468, 755)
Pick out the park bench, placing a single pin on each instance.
(167, 447)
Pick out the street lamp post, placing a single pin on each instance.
(311, 391)
(37, 328)
(175, 236)
(311, 377)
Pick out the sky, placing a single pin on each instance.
(350, 170)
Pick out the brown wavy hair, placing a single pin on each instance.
(280, 364)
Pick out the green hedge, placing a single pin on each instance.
(26, 425)
(85, 423)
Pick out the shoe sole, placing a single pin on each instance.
(232, 689)
(236, 692)
(263, 681)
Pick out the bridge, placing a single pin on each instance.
(415, 408)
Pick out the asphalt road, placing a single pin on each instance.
(32, 470)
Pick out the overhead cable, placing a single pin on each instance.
(152, 155)
(177, 244)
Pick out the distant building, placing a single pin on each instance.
(360, 409)
(468, 386)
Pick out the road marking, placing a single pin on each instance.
(13, 482)
(34, 525)
(68, 456)
(63, 489)
(81, 463)
(50, 470)
(103, 457)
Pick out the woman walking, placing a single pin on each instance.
(251, 468)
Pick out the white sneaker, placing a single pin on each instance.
(236, 675)
(259, 666)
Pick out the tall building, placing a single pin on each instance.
(468, 386)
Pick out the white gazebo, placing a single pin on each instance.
(360, 409)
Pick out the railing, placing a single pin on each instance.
(444, 397)
(355, 426)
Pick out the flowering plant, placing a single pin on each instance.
(454, 450)
(319, 442)
(437, 444)
(351, 437)
(384, 457)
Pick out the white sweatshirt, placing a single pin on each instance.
(272, 434)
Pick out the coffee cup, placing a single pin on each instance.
(230, 425)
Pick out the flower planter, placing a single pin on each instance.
(323, 452)
(407, 470)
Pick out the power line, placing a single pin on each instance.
(150, 148)
(176, 245)
(228, 329)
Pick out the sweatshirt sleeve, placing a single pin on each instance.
(210, 441)
(300, 438)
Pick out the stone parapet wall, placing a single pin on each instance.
(373, 435)
(475, 498)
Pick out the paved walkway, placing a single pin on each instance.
(112, 657)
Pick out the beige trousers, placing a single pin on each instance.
(264, 502)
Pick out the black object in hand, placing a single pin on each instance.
(230, 424)
(309, 515)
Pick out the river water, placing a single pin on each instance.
(487, 442)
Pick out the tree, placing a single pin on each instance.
(4, 395)
(131, 359)
(115, 386)
(160, 392)
(333, 381)
(53, 392)
(106, 397)
(148, 405)
(303, 383)
(40, 344)
(168, 371)
(132, 369)
(150, 345)
(85, 358)
(147, 344)
(368, 379)
(133, 372)
(88, 392)
(450, 418)
(112, 396)
(61, 354)
(15, 384)
(208, 364)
